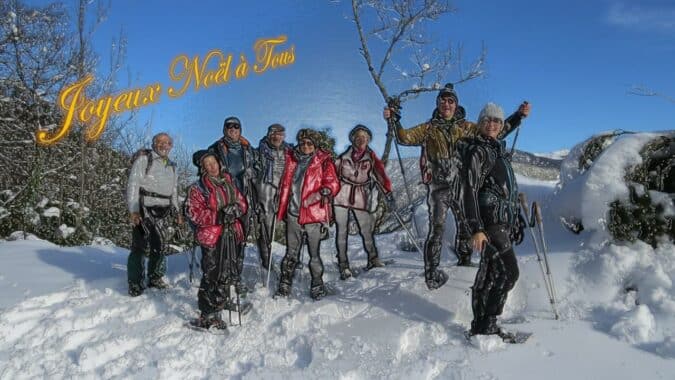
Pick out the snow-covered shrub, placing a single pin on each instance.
(620, 183)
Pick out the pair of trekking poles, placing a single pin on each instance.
(533, 217)
(192, 263)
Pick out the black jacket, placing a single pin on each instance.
(490, 191)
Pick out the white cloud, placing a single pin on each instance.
(643, 16)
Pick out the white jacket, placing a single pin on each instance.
(161, 179)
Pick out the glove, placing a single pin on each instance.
(230, 213)
(315, 196)
(518, 230)
(390, 201)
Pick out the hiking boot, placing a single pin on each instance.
(374, 263)
(317, 292)
(135, 290)
(485, 326)
(158, 283)
(436, 279)
(241, 289)
(464, 261)
(284, 290)
(207, 321)
(345, 273)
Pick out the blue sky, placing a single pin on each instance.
(574, 61)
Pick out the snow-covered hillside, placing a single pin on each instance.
(65, 314)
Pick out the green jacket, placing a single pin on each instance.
(438, 138)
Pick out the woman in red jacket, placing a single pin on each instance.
(306, 188)
(215, 206)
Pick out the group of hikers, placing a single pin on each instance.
(244, 191)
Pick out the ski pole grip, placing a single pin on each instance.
(537, 212)
(523, 201)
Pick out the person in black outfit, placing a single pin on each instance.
(490, 200)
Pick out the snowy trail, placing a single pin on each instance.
(65, 314)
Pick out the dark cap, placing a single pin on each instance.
(448, 91)
(275, 128)
(200, 155)
(360, 127)
(231, 120)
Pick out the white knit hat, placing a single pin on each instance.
(491, 110)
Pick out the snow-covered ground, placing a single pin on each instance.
(64, 313)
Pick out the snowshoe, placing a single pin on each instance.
(377, 263)
(210, 323)
(345, 273)
(135, 290)
(436, 279)
(317, 292)
(374, 263)
(283, 291)
(515, 337)
(158, 283)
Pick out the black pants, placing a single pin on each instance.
(439, 199)
(496, 276)
(140, 238)
(219, 266)
(265, 225)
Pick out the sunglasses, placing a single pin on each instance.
(233, 126)
(493, 120)
(305, 143)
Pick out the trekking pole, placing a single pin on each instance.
(269, 259)
(399, 219)
(238, 305)
(229, 309)
(530, 226)
(540, 223)
(191, 261)
(515, 138)
(395, 103)
(407, 230)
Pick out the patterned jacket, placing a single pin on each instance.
(201, 210)
(357, 180)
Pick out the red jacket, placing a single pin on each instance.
(201, 209)
(320, 174)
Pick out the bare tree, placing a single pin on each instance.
(645, 91)
(40, 54)
(398, 26)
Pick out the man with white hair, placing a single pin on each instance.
(152, 197)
